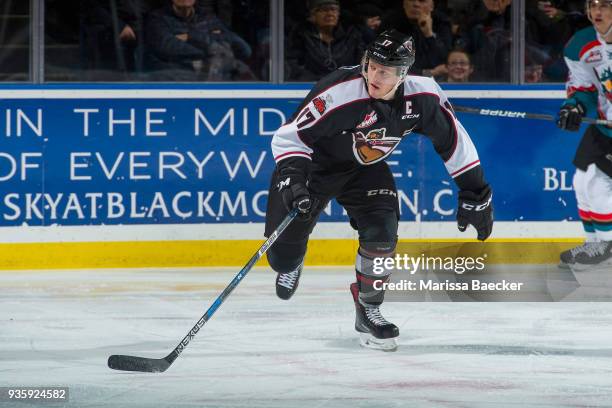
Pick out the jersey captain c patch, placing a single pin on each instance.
(373, 146)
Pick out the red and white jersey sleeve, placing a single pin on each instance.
(286, 143)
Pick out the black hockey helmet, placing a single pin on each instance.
(392, 48)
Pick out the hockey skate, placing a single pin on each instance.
(375, 331)
(595, 256)
(287, 283)
(568, 258)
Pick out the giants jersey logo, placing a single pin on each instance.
(374, 146)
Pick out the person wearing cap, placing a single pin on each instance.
(322, 43)
(185, 43)
(335, 146)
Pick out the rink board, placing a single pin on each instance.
(110, 176)
(321, 252)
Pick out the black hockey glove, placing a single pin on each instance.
(292, 184)
(570, 117)
(476, 209)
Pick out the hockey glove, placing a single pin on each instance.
(570, 117)
(292, 184)
(476, 209)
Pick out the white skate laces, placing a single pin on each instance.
(579, 249)
(589, 252)
(595, 248)
(288, 279)
(594, 256)
(374, 316)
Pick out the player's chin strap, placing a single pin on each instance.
(607, 33)
(397, 84)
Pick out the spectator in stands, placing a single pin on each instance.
(571, 10)
(458, 67)
(321, 44)
(112, 34)
(535, 63)
(368, 20)
(251, 21)
(184, 43)
(487, 37)
(547, 31)
(534, 73)
(431, 31)
(224, 9)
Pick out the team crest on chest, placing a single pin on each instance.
(368, 121)
(374, 146)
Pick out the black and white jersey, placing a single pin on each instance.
(339, 126)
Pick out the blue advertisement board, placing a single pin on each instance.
(166, 160)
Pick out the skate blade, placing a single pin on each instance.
(605, 266)
(368, 341)
(563, 265)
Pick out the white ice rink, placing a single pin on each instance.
(57, 328)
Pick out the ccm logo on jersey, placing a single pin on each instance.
(382, 191)
(409, 114)
(479, 207)
(504, 113)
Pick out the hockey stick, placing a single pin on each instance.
(159, 365)
(523, 115)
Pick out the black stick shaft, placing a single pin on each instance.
(133, 363)
(523, 115)
(232, 285)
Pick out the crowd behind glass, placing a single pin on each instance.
(230, 40)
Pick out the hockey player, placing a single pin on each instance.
(335, 145)
(589, 90)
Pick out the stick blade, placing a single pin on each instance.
(131, 363)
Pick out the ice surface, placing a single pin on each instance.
(57, 328)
